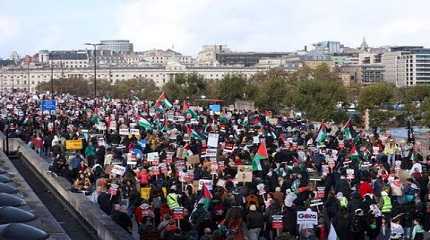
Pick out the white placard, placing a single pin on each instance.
(213, 140)
(124, 132)
(134, 131)
(307, 217)
(153, 156)
(208, 183)
(118, 170)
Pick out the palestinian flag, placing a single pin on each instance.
(192, 113)
(185, 106)
(347, 130)
(322, 134)
(193, 133)
(259, 155)
(206, 196)
(162, 100)
(353, 154)
(145, 124)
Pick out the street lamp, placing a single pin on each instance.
(95, 64)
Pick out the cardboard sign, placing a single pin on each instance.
(307, 217)
(74, 144)
(118, 170)
(213, 140)
(178, 213)
(194, 159)
(209, 184)
(277, 222)
(145, 193)
(124, 132)
(244, 173)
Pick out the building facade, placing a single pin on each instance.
(22, 78)
(407, 66)
(117, 46)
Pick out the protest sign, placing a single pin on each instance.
(113, 189)
(350, 173)
(135, 132)
(178, 213)
(244, 173)
(307, 217)
(194, 159)
(207, 182)
(213, 140)
(153, 157)
(74, 144)
(118, 170)
(124, 132)
(215, 108)
(277, 222)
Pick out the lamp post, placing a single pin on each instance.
(52, 80)
(95, 64)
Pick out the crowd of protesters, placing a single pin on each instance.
(362, 185)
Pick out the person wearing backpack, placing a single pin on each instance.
(358, 224)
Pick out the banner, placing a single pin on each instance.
(74, 144)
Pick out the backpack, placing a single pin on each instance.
(356, 225)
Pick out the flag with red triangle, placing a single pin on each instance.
(163, 101)
(259, 155)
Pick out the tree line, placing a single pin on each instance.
(317, 93)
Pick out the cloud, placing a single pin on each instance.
(277, 25)
(8, 27)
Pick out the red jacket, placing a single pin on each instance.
(364, 188)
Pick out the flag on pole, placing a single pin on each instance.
(259, 155)
(162, 100)
(322, 134)
(353, 154)
(332, 235)
(347, 130)
(193, 133)
(145, 124)
(206, 196)
(192, 113)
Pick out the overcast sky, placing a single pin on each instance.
(252, 25)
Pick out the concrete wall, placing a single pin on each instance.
(104, 226)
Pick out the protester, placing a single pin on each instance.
(184, 171)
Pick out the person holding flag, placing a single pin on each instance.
(259, 155)
(162, 101)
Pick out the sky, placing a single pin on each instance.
(185, 25)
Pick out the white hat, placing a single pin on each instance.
(252, 208)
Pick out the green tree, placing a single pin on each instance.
(232, 87)
(271, 94)
(186, 85)
(375, 96)
(318, 99)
